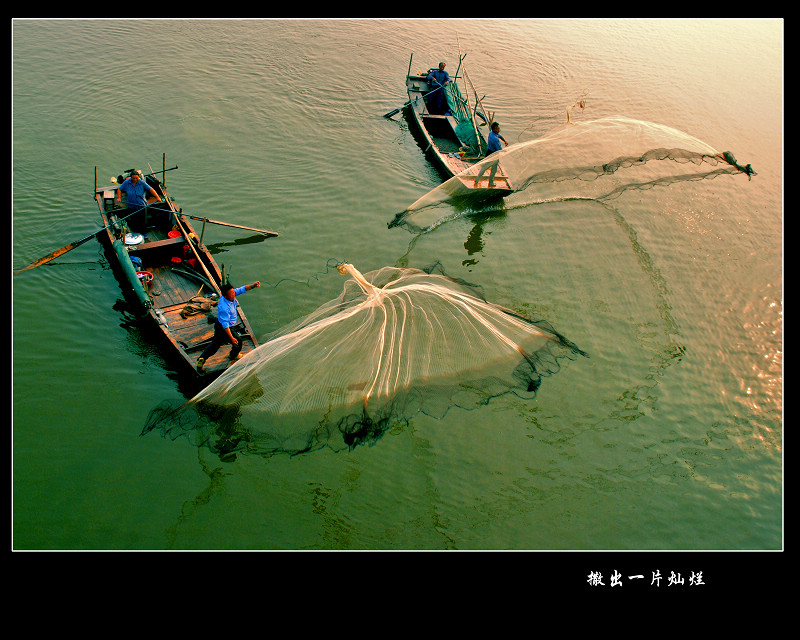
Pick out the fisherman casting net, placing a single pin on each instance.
(397, 341)
(597, 159)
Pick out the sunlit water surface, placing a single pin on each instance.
(669, 436)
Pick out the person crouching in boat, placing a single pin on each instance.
(224, 326)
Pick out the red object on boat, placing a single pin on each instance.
(176, 260)
(174, 233)
(146, 278)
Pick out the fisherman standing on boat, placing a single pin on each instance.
(492, 146)
(224, 326)
(135, 189)
(493, 143)
(437, 101)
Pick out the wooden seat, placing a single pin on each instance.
(156, 244)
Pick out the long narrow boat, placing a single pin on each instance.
(453, 140)
(168, 274)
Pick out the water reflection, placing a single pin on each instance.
(473, 245)
(476, 242)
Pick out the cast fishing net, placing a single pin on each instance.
(598, 159)
(398, 341)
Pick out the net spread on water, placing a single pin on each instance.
(398, 341)
(597, 159)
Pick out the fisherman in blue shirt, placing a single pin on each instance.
(437, 101)
(492, 146)
(493, 143)
(135, 189)
(224, 326)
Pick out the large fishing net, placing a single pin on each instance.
(398, 341)
(598, 159)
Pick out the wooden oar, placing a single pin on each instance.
(391, 113)
(153, 173)
(70, 246)
(235, 226)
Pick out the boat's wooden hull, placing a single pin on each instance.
(438, 138)
(176, 286)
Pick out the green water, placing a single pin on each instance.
(668, 437)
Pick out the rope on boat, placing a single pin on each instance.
(198, 304)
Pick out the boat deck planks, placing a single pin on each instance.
(172, 288)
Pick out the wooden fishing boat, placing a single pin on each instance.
(168, 274)
(454, 140)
